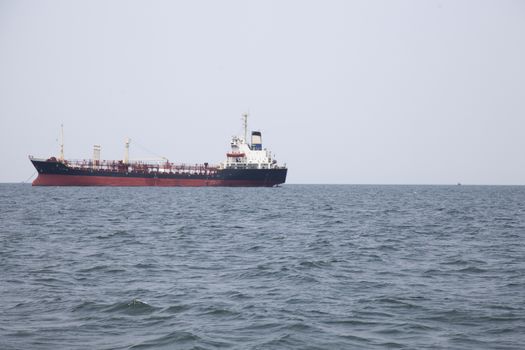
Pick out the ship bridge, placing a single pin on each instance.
(252, 155)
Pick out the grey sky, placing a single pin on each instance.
(344, 91)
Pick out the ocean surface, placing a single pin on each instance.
(295, 267)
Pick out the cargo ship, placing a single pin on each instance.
(246, 164)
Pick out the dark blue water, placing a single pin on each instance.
(297, 267)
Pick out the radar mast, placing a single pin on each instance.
(61, 142)
(245, 119)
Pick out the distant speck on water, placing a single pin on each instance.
(295, 267)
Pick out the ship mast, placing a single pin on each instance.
(245, 116)
(61, 142)
(126, 152)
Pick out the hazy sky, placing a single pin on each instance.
(387, 92)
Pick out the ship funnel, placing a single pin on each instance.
(256, 141)
(96, 155)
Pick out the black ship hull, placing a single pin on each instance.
(55, 173)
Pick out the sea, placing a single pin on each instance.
(292, 267)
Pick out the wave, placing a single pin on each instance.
(175, 338)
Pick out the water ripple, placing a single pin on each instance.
(296, 267)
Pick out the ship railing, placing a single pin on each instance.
(139, 166)
(252, 166)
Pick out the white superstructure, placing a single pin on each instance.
(248, 156)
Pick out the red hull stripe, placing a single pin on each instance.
(78, 180)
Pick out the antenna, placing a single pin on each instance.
(245, 116)
(61, 142)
